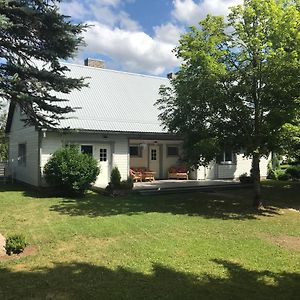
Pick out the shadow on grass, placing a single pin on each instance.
(233, 204)
(192, 204)
(28, 191)
(86, 281)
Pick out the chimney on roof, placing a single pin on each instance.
(95, 63)
(171, 76)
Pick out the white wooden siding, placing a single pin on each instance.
(118, 143)
(121, 155)
(28, 173)
(231, 171)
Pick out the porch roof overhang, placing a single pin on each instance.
(129, 134)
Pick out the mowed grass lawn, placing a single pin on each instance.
(183, 246)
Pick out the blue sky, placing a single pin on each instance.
(138, 35)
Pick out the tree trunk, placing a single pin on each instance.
(257, 202)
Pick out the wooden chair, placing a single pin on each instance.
(136, 176)
(148, 175)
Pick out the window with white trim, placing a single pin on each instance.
(153, 154)
(103, 154)
(172, 151)
(22, 154)
(226, 157)
(135, 150)
(87, 149)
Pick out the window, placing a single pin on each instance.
(172, 151)
(103, 154)
(22, 155)
(87, 149)
(135, 151)
(226, 157)
(153, 154)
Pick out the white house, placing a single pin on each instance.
(116, 121)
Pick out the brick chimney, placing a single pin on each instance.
(95, 63)
(171, 76)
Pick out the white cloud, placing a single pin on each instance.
(133, 51)
(105, 11)
(74, 9)
(191, 12)
(168, 33)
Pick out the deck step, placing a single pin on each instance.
(173, 190)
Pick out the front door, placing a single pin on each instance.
(154, 159)
(103, 155)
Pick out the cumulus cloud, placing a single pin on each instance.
(134, 50)
(168, 33)
(116, 35)
(190, 12)
(107, 12)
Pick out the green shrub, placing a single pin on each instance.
(294, 172)
(15, 244)
(127, 184)
(115, 178)
(70, 170)
(283, 176)
(245, 178)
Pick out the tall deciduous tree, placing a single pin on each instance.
(34, 36)
(238, 83)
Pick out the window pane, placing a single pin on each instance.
(103, 154)
(153, 154)
(87, 149)
(22, 154)
(172, 151)
(134, 151)
(228, 156)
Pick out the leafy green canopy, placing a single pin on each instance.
(31, 31)
(238, 85)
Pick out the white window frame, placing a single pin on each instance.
(140, 150)
(173, 155)
(227, 162)
(22, 156)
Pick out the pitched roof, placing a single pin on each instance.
(114, 101)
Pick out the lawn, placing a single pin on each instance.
(184, 246)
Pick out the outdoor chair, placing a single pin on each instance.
(136, 176)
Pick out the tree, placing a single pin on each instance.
(238, 83)
(291, 140)
(34, 36)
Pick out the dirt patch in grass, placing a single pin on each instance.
(286, 241)
(28, 251)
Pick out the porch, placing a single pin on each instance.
(157, 155)
(171, 186)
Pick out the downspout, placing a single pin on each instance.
(39, 157)
(41, 134)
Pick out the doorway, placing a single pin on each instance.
(154, 159)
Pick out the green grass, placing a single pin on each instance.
(185, 246)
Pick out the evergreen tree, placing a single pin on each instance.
(34, 37)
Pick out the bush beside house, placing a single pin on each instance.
(116, 186)
(284, 172)
(71, 171)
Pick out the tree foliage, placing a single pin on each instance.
(238, 84)
(34, 36)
